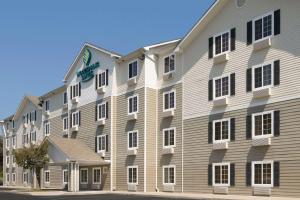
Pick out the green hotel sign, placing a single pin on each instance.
(88, 72)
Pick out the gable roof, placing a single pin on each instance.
(75, 150)
(202, 22)
(71, 68)
(33, 99)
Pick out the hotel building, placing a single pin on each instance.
(213, 112)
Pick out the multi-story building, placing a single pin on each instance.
(214, 112)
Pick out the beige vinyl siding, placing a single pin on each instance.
(198, 153)
(105, 180)
(56, 177)
(151, 102)
(170, 122)
(122, 127)
(114, 148)
(198, 69)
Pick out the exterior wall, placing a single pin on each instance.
(122, 127)
(198, 153)
(170, 122)
(56, 177)
(105, 180)
(198, 69)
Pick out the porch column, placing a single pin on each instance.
(73, 176)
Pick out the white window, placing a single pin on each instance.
(26, 138)
(75, 119)
(32, 116)
(263, 26)
(96, 175)
(132, 140)
(132, 69)
(262, 173)
(169, 100)
(169, 63)
(101, 111)
(132, 104)
(47, 107)
(262, 124)
(14, 142)
(65, 176)
(169, 137)
(84, 176)
(75, 90)
(221, 130)
(13, 160)
(221, 87)
(7, 143)
(132, 175)
(169, 174)
(7, 160)
(25, 177)
(101, 143)
(262, 76)
(13, 124)
(65, 123)
(101, 79)
(47, 176)
(47, 129)
(65, 98)
(13, 177)
(7, 178)
(221, 43)
(221, 174)
(33, 136)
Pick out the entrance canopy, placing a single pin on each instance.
(65, 150)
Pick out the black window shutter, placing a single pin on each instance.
(232, 84)
(249, 80)
(277, 22)
(70, 120)
(232, 174)
(96, 141)
(248, 174)
(35, 115)
(232, 39)
(30, 117)
(276, 175)
(249, 32)
(276, 123)
(79, 88)
(71, 92)
(107, 110)
(106, 77)
(96, 81)
(210, 47)
(232, 129)
(210, 132)
(277, 72)
(106, 143)
(210, 90)
(249, 127)
(79, 118)
(96, 113)
(209, 174)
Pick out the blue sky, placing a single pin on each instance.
(40, 39)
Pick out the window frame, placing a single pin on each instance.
(45, 173)
(214, 43)
(168, 56)
(13, 177)
(75, 90)
(7, 160)
(7, 177)
(66, 122)
(73, 119)
(168, 129)
(137, 174)
(65, 171)
(253, 163)
(213, 174)
(47, 105)
(261, 66)
(137, 140)
(98, 113)
(163, 178)
(25, 177)
(14, 141)
(99, 82)
(100, 180)
(214, 130)
(7, 143)
(214, 87)
(137, 69)
(45, 129)
(253, 26)
(128, 104)
(164, 100)
(87, 176)
(31, 134)
(98, 144)
(253, 124)
(65, 98)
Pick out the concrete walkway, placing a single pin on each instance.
(156, 194)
